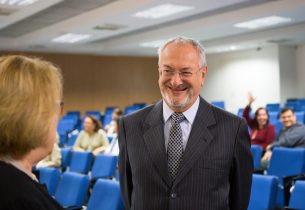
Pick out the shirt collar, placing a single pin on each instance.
(189, 114)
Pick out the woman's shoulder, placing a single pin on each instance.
(101, 132)
(270, 126)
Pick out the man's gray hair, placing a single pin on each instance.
(184, 40)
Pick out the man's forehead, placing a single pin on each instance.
(287, 113)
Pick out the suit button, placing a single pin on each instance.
(173, 195)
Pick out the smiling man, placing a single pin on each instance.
(183, 153)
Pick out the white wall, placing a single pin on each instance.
(288, 73)
(300, 66)
(232, 75)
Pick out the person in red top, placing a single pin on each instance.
(262, 132)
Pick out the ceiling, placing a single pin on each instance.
(32, 27)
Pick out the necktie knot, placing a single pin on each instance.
(177, 117)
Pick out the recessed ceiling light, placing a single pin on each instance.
(153, 44)
(71, 38)
(161, 11)
(263, 22)
(17, 2)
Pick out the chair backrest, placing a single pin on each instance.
(273, 117)
(287, 162)
(50, 177)
(263, 192)
(72, 189)
(81, 162)
(274, 107)
(71, 140)
(108, 115)
(66, 154)
(105, 195)
(104, 166)
(220, 104)
(256, 151)
(75, 113)
(277, 126)
(300, 116)
(297, 200)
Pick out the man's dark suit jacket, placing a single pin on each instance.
(215, 173)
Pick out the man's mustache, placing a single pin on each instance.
(180, 87)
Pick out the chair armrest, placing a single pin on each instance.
(73, 207)
(288, 182)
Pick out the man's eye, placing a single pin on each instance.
(186, 73)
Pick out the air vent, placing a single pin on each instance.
(279, 41)
(109, 27)
(6, 11)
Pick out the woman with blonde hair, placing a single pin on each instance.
(30, 106)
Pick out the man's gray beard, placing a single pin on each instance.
(182, 105)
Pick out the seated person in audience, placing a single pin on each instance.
(30, 107)
(113, 148)
(292, 135)
(262, 132)
(92, 138)
(111, 127)
(53, 159)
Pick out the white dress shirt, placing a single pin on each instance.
(186, 124)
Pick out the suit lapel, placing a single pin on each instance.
(154, 141)
(199, 139)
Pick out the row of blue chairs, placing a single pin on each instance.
(264, 191)
(285, 164)
(72, 190)
(72, 121)
(100, 166)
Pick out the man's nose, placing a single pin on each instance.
(176, 79)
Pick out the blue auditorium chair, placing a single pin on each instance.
(273, 117)
(71, 140)
(108, 115)
(256, 151)
(66, 154)
(273, 107)
(263, 192)
(64, 127)
(219, 104)
(75, 113)
(50, 177)
(105, 195)
(297, 199)
(277, 126)
(104, 166)
(81, 162)
(96, 114)
(72, 189)
(284, 163)
(300, 116)
(130, 109)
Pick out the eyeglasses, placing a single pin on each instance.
(182, 74)
(61, 107)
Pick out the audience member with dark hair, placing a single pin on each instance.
(262, 132)
(30, 107)
(92, 138)
(111, 127)
(292, 135)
